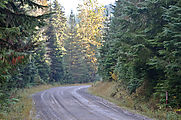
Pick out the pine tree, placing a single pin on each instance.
(169, 54)
(41, 58)
(56, 33)
(143, 48)
(74, 63)
(17, 26)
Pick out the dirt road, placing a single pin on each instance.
(74, 103)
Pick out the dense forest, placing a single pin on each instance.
(142, 48)
(135, 43)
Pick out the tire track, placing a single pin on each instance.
(97, 109)
(68, 112)
(74, 103)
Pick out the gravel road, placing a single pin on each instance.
(75, 103)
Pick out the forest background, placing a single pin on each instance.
(134, 43)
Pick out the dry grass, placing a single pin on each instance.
(24, 110)
(119, 96)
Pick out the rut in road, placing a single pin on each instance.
(75, 103)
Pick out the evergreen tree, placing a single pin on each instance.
(17, 26)
(168, 57)
(41, 58)
(75, 65)
(143, 48)
(56, 35)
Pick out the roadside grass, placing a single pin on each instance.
(121, 98)
(24, 109)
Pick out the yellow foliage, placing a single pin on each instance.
(114, 76)
(42, 2)
(90, 28)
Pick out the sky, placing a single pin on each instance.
(72, 4)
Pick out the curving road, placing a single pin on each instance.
(74, 103)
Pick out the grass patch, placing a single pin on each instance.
(119, 96)
(23, 108)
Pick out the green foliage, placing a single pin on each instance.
(143, 45)
(75, 63)
(55, 34)
(18, 25)
(169, 54)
